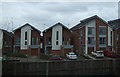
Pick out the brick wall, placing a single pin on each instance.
(8, 47)
(66, 34)
(101, 23)
(35, 33)
(76, 40)
(16, 34)
(115, 45)
(45, 35)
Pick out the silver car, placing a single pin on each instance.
(98, 53)
(71, 56)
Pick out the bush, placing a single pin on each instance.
(21, 55)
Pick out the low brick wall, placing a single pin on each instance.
(82, 67)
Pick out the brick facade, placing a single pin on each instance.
(33, 49)
(7, 43)
(17, 33)
(65, 34)
(101, 23)
(76, 40)
(116, 43)
(76, 36)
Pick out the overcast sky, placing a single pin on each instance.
(45, 14)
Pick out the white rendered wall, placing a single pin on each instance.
(54, 30)
(23, 30)
(109, 36)
(90, 24)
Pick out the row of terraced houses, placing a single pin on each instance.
(88, 35)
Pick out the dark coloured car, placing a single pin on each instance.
(57, 58)
(116, 55)
(108, 53)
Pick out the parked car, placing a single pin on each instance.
(115, 55)
(108, 53)
(2, 58)
(97, 53)
(71, 56)
(57, 58)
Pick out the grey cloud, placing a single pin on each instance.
(49, 13)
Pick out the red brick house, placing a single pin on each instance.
(27, 40)
(116, 34)
(57, 40)
(91, 34)
(6, 41)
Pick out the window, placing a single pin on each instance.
(102, 30)
(25, 35)
(102, 36)
(91, 30)
(111, 37)
(48, 40)
(57, 35)
(117, 35)
(102, 40)
(67, 41)
(81, 36)
(37, 40)
(17, 40)
(91, 40)
(32, 40)
(25, 42)
(56, 42)
(63, 41)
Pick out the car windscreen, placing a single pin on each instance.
(99, 52)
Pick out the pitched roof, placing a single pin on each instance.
(115, 23)
(28, 25)
(85, 21)
(8, 33)
(56, 25)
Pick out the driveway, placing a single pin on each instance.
(94, 58)
(81, 58)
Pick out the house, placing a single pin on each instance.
(27, 40)
(6, 42)
(116, 34)
(57, 40)
(91, 34)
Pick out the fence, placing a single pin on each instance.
(82, 67)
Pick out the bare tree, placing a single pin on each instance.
(8, 25)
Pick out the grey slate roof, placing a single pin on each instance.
(28, 25)
(56, 25)
(8, 33)
(115, 23)
(85, 21)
